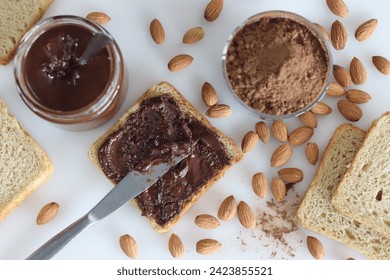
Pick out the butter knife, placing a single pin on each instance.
(128, 188)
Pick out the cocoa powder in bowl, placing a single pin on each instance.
(278, 64)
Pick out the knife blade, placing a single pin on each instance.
(128, 188)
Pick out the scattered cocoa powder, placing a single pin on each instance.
(276, 65)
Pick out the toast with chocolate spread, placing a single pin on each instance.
(160, 125)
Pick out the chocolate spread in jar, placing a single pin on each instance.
(157, 132)
(53, 76)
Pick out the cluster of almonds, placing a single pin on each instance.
(357, 73)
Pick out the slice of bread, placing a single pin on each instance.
(24, 166)
(16, 18)
(364, 191)
(231, 150)
(316, 211)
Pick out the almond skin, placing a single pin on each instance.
(249, 141)
(382, 64)
(280, 130)
(358, 72)
(281, 155)
(228, 209)
(335, 89)
(207, 246)
(193, 35)
(321, 109)
(349, 110)
(128, 246)
(323, 30)
(338, 35)
(278, 189)
(157, 31)
(315, 247)
(209, 94)
(260, 185)
(98, 17)
(263, 131)
(245, 215)
(219, 111)
(312, 152)
(290, 175)
(47, 213)
(358, 96)
(175, 246)
(308, 119)
(342, 76)
(213, 10)
(338, 7)
(206, 221)
(300, 135)
(365, 30)
(179, 62)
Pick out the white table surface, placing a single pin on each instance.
(77, 185)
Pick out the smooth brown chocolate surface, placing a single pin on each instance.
(155, 133)
(51, 73)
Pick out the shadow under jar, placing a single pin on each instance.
(52, 84)
(277, 64)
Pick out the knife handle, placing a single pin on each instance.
(61, 239)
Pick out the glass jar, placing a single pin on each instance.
(264, 59)
(80, 98)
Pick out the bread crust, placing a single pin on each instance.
(162, 88)
(44, 174)
(338, 194)
(36, 17)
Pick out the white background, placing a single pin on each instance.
(77, 185)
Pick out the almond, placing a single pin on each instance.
(206, 221)
(128, 246)
(280, 130)
(341, 75)
(175, 246)
(245, 215)
(263, 131)
(323, 30)
(358, 96)
(209, 95)
(349, 110)
(278, 189)
(309, 119)
(157, 31)
(365, 30)
(358, 72)
(382, 64)
(207, 246)
(338, 35)
(249, 141)
(47, 213)
(321, 109)
(315, 247)
(338, 7)
(259, 184)
(193, 35)
(334, 89)
(213, 10)
(98, 17)
(281, 155)
(312, 152)
(228, 209)
(179, 62)
(219, 111)
(290, 175)
(300, 135)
